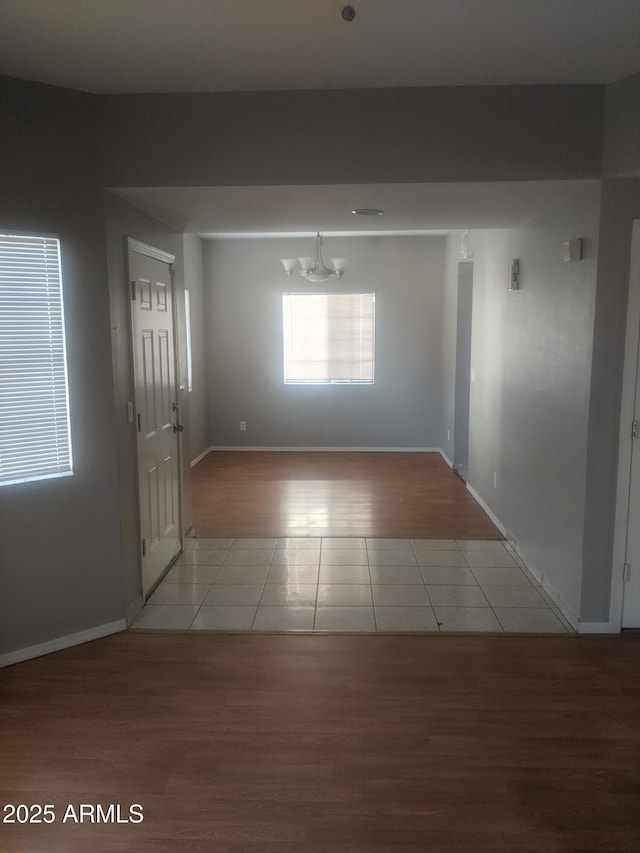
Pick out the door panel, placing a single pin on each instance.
(156, 410)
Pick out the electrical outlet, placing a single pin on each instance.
(448, 435)
(495, 479)
(243, 426)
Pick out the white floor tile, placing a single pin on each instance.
(344, 619)
(288, 594)
(394, 544)
(344, 594)
(392, 557)
(493, 545)
(448, 575)
(395, 574)
(300, 543)
(434, 545)
(303, 557)
(500, 576)
(191, 574)
(224, 618)
(293, 574)
(278, 618)
(477, 559)
(242, 574)
(514, 596)
(344, 557)
(332, 543)
(233, 593)
(206, 557)
(456, 596)
(405, 619)
(249, 557)
(530, 620)
(179, 593)
(467, 619)
(400, 595)
(208, 544)
(166, 617)
(441, 558)
(344, 574)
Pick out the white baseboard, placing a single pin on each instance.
(597, 628)
(62, 643)
(446, 458)
(201, 456)
(133, 609)
(568, 613)
(488, 510)
(331, 449)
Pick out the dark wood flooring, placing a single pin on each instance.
(328, 744)
(396, 495)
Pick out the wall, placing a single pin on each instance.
(354, 136)
(60, 540)
(245, 282)
(199, 396)
(622, 128)
(122, 221)
(531, 353)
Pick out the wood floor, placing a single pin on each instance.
(328, 744)
(395, 495)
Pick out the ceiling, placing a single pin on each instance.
(218, 212)
(128, 46)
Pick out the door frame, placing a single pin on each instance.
(625, 444)
(133, 245)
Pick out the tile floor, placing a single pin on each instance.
(349, 584)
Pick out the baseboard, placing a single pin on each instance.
(597, 628)
(329, 449)
(201, 456)
(133, 609)
(488, 510)
(446, 458)
(568, 613)
(62, 643)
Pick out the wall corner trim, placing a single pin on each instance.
(60, 643)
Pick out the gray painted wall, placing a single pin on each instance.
(353, 136)
(60, 560)
(122, 221)
(245, 282)
(622, 128)
(531, 354)
(199, 396)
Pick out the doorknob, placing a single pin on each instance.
(178, 428)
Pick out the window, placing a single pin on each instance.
(328, 338)
(34, 400)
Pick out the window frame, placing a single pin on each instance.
(57, 385)
(328, 382)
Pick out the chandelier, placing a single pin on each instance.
(314, 269)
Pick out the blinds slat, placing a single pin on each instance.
(34, 402)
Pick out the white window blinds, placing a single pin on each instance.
(34, 401)
(328, 338)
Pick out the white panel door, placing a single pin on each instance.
(631, 601)
(156, 412)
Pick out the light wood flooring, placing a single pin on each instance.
(328, 744)
(395, 495)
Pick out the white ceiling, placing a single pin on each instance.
(301, 210)
(117, 46)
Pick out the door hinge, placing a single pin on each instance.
(133, 291)
(144, 547)
(139, 423)
(626, 575)
(634, 429)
